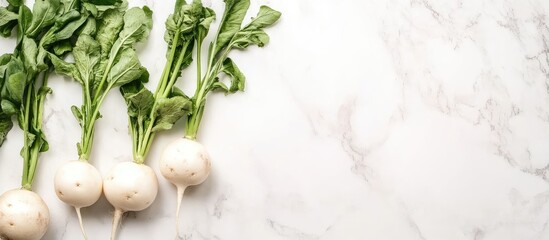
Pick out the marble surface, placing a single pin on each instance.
(394, 119)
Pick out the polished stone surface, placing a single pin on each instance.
(397, 119)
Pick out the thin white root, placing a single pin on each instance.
(80, 221)
(180, 192)
(116, 221)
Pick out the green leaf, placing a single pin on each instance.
(16, 86)
(253, 33)
(15, 3)
(205, 22)
(78, 115)
(101, 9)
(235, 11)
(41, 64)
(103, 2)
(44, 12)
(89, 27)
(139, 99)
(219, 86)
(179, 4)
(7, 16)
(5, 31)
(62, 48)
(265, 18)
(69, 29)
(68, 5)
(137, 26)
(183, 22)
(15, 65)
(64, 68)
(25, 18)
(178, 92)
(43, 91)
(92, 9)
(64, 28)
(30, 52)
(245, 39)
(127, 69)
(42, 143)
(5, 126)
(170, 110)
(65, 18)
(238, 80)
(4, 60)
(107, 30)
(8, 107)
(86, 56)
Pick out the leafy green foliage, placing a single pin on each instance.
(169, 110)
(44, 15)
(187, 28)
(231, 35)
(104, 58)
(8, 20)
(52, 29)
(238, 79)
(127, 69)
(111, 24)
(15, 3)
(137, 26)
(6, 16)
(5, 127)
(235, 11)
(103, 2)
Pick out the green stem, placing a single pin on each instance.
(34, 120)
(175, 72)
(134, 136)
(164, 89)
(88, 130)
(41, 100)
(35, 151)
(26, 134)
(198, 64)
(168, 68)
(140, 130)
(195, 118)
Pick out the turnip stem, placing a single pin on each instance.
(80, 221)
(180, 192)
(116, 221)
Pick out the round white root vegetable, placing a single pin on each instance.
(23, 215)
(184, 163)
(79, 184)
(129, 187)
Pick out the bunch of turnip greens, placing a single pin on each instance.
(104, 58)
(186, 162)
(46, 31)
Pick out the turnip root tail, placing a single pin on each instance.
(116, 221)
(180, 192)
(80, 221)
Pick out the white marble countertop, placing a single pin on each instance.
(415, 119)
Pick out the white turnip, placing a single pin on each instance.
(23, 215)
(184, 163)
(78, 184)
(129, 186)
(103, 61)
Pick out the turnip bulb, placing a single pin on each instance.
(78, 184)
(184, 163)
(23, 215)
(129, 186)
